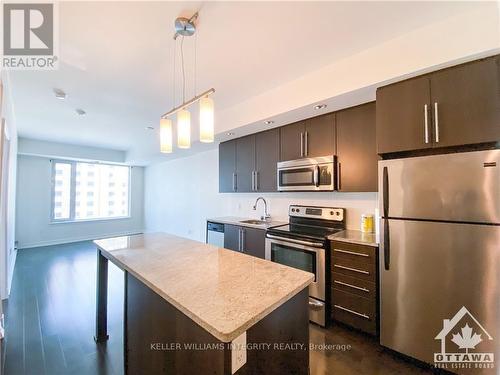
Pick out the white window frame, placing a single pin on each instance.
(72, 193)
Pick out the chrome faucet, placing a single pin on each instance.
(266, 216)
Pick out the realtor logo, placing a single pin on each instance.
(29, 36)
(465, 338)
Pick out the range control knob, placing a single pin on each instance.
(338, 213)
(331, 212)
(297, 210)
(293, 209)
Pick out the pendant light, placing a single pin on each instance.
(206, 120)
(185, 27)
(183, 129)
(166, 136)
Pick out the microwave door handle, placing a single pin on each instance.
(316, 176)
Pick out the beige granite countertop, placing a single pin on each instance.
(234, 220)
(224, 291)
(355, 236)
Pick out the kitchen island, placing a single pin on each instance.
(196, 308)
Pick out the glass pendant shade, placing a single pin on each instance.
(166, 136)
(206, 120)
(183, 129)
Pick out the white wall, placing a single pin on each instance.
(8, 255)
(33, 227)
(181, 194)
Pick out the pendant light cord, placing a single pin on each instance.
(183, 73)
(173, 76)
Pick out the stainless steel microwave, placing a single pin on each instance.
(311, 174)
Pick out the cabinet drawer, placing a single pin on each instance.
(353, 285)
(356, 252)
(356, 311)
(358, 269)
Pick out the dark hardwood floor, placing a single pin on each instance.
(50, 319)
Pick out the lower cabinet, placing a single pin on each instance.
(246, 240)
(354, 292)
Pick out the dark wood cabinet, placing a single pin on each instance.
(319, 136)
(254, 242)
(227, 166)
(232, 237)
(401, 112)
(247, 240)
(357, 157)
(292, 141)
(466, 103)
(267, 148)
(354, 290)
(456, 106)
(248, 164)
(245, 163)
(311, 138)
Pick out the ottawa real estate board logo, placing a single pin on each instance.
(461, 335)
(29, 36)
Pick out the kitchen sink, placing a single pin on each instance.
(255, 222)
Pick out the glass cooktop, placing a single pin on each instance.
(304, 231)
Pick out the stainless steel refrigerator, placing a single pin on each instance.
(439, 253)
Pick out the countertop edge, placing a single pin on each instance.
(237, 222)
(222, 336)
(352, 239)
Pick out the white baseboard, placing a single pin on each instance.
(75, 239)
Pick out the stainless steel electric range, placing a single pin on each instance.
(303, 244)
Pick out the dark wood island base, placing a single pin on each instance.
(160, 339)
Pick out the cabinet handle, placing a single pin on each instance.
(253, 180)
(306, 144)
(301, 144)
(352, 269)
(351, 286)
(239, 239)
(351, 252)
(234, 182)
(436, 121)
(242, 249)
(352, 312)
(339, 186)
(256, 180)
(426, 124)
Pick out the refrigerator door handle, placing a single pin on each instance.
(387, 243)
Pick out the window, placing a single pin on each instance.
(89, 186)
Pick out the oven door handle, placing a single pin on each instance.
(299, 242)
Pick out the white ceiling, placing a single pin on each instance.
(116, 60)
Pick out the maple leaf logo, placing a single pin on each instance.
(466, 340)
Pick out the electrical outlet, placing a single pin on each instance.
(238, 352)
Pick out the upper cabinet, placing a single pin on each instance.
(292, 141)
(245, 163)
(451, 107)
(267, 153)
(227, 166)
(356, 149)
(319, 138)
(403, 121)
(248, 164)
(466, 103)
(308, 139)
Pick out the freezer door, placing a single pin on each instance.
(435, 269)
(452, 187)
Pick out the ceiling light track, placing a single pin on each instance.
(173, 111)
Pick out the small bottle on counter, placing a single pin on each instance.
(367, 223)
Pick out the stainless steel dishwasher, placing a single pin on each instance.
(215, 234)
